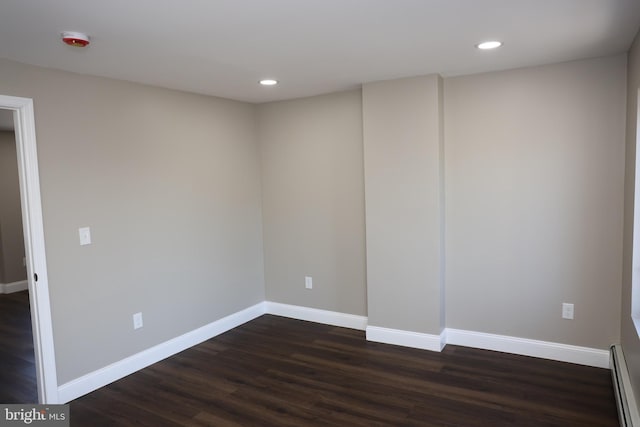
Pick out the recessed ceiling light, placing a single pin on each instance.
(268, 82)
(489, 45)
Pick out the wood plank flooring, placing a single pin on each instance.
(275, 371)
(17, 366)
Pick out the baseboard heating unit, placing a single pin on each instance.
(627, 407)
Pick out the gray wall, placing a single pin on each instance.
(629, 338)
(534, 172)
(313, 201)
(11, 238)
(169, 184)
(534, 165)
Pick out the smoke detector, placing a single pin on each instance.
(76, 39)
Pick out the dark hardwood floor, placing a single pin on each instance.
(275, 371)
(17, 366)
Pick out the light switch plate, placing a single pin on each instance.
(85, 236)
(137, 321)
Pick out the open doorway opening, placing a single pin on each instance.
(18, 382)
(13, 272)
(35, 256)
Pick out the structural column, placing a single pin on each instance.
(404, 202)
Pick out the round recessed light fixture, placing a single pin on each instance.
(268, 82)
(488, 45)
(73, 38)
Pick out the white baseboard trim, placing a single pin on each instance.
(522, 346)
(9, 288)
(94, 380)
(527, 347)
(326, 317)
(406, 338)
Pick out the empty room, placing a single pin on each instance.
(315, 213)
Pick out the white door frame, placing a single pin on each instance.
(25, 134)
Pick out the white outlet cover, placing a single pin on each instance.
(85, 236)
(308, 282)
(567, 311)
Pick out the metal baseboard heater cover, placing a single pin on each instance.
(627, 406)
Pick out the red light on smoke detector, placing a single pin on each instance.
(75, 39)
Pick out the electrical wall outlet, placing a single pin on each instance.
(308, 282)
(85, 236)
(137, 321)
(567, 310)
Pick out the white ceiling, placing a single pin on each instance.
(223, 47)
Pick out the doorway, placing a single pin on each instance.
(13, 273)
(35, 258)
(17, 375)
